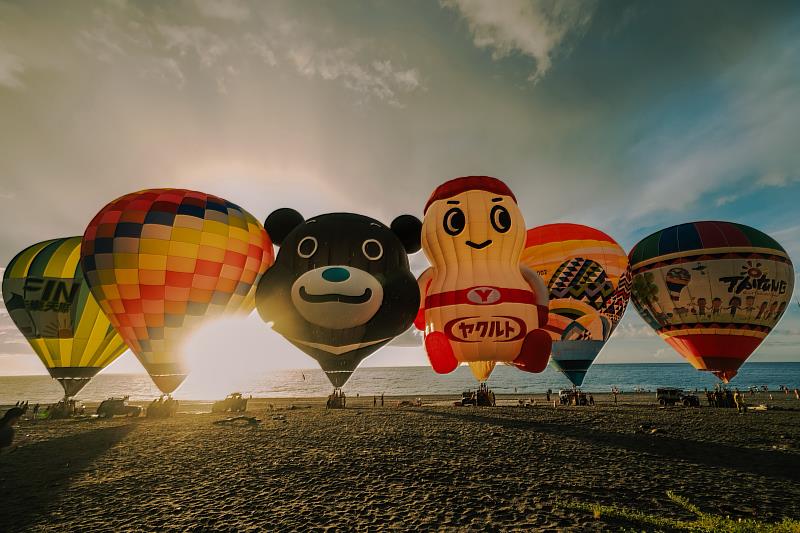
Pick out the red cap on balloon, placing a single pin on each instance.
(456, 186)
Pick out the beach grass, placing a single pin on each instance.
(702, 521)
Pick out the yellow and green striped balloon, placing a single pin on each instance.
(49, 301)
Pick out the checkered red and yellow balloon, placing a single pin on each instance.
(161, 261)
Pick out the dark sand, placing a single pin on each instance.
(430, 467)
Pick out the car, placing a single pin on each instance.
(468, 398)
(117, 407)
(671, 396)
(234, 403)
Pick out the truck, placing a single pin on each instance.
(671, 396)
(234, 403)
(112, 407)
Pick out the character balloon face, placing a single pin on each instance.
(48, 299)
(735, 265)
(483, 226)
(162, 261)
(341, 287)
(479, 308)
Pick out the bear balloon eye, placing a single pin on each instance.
(454, 221)
(372, 249)
(306, 247)
(501, 219)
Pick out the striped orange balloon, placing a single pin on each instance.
(161, 261)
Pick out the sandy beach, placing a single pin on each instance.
(430, 467)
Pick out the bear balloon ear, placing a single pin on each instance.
(281, 222)
(409, 229)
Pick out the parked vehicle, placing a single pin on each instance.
(483, 397)
(672, 396)
(112, 407)
(234, 403)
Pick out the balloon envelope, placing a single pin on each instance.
(712, 290)
(49, 301)
(161, 261)
(341, 287)
(587, 275)
(479, 307)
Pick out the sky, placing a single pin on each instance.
(625, 116)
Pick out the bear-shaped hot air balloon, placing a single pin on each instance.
(478, 304)
(341, 287)
(712, 290)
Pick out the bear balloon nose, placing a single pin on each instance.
(335, 274)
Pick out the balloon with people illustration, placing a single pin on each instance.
(712, 290)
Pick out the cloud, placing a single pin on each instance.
(232, 10)
(410, 338)
(626, 330)
(530, 27)
(206, 46)
(259, 46)
(11, 66)
(379, 79)
(775, 179)
(166, 47)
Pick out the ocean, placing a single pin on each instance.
(404, 381)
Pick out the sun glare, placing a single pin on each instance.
(225, 355)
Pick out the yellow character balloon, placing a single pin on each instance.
(478, 305)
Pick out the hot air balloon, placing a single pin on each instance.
(587, 275)
(712, 290)
(49, 301)
(478, 305)
(162, 261)
(341, 286)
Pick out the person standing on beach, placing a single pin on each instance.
(381, 399)
(737, 398)
(7, 427)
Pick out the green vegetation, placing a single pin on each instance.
(702, 522)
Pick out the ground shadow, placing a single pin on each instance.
(34, 478)
(775, 464)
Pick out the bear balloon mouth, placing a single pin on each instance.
(479, 246)
(334, 297)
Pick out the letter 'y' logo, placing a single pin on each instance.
(483, 295)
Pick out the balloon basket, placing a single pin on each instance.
(162, 407)
(483, 397)
(336, 400)
(66, 407)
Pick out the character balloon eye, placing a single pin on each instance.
(372, 249)
(501, 219)
(306, 247)
(454, 221)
